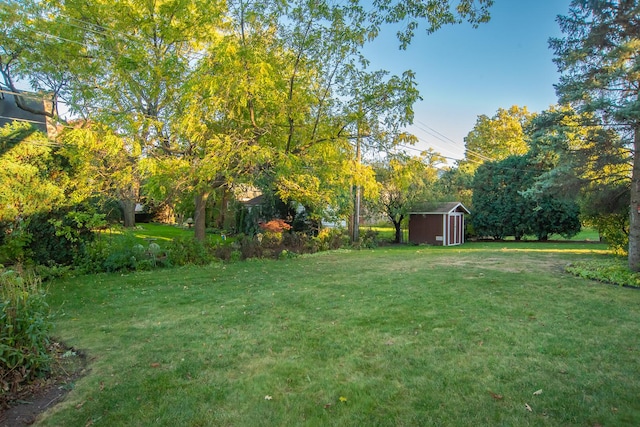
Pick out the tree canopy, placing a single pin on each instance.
(200, 95)
(405, 181)
(505, 206)
(498, 137)
(598, 58)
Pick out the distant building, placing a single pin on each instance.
(9, 111)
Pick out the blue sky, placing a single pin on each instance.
(465, 72)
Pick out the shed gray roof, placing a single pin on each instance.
(441, 208)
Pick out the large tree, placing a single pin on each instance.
(404, 182)
(108, 163)
(498, 137)
(505, 206)
(586, 160)
(599, 58)
(221, 92)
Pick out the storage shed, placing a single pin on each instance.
(440, 225)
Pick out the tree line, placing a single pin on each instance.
(184, 102)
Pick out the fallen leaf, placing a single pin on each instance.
(155, 365)
(495, 396)
(537, 392)
(526, 405)
(101, 385)
(342, 399)
(81, 404)
(327, 405)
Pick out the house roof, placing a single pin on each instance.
(255, 201)
(442, 208)
(9, 111)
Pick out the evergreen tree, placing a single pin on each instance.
(504, 204)
(599, 58)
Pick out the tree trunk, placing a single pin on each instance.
(398, 226)
(634, 218)
(128, 212)
(128, 199)
(199, 220)
(356, 217)
(223, 210)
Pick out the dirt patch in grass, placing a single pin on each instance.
(23, 406)
(507, 265)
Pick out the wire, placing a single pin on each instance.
(429, 127)
(446, 139)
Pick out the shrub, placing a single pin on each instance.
(270, 239)
(14, 242)
(332, 238)
(122, 253)
(370, 239)
(24, 330)
(235, 256)
(614, 271)
(189, 251)
(223, 251)
(300, 243)
(249, 247)
(49, 238)
(614, 228)
(275, 226)
(115, 253)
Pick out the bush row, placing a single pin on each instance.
(124, 252)
(24, 331)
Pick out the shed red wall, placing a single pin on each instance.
(424, 228)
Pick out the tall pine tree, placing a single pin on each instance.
(599, 59)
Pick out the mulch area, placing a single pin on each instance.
(22, 406)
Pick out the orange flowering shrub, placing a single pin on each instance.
(275, 226)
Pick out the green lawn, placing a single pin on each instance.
(481, 334)
(152, 231)
(585, 235)
(160, 233)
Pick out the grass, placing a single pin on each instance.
(145, 233)
(585, 235)
(396, 336)
(161, 231)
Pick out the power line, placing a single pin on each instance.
(446, 139)
(481, 156)
(441, 134)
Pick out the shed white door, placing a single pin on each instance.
(456, 229)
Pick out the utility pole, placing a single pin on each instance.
(355, 227)
(356, 214)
